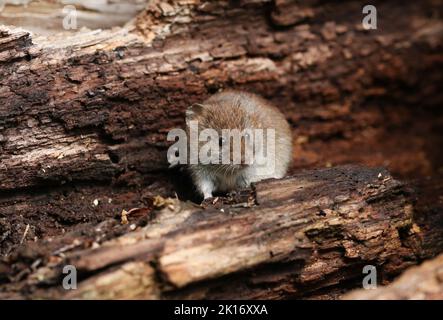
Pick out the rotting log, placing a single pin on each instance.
(84, 117)
(98, 103)
(299, 237)
(424, 282)
(46, 17)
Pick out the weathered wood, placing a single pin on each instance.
(83, 121)
(96, 104)
(296, 237)
(424, 282)
(45, 17)
(86, 115)
(428, 204)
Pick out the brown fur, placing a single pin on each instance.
(239, 110)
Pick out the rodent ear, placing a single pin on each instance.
(193, 111)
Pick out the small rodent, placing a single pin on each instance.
(239, 110)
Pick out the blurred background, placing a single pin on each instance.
(45, 16)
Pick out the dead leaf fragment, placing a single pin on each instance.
(160, 202)
(135, 213)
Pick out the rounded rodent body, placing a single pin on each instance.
(243, 111)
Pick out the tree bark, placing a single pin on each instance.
(83, 123)
(424, 282)
(84, 117)
(97, 104)
(45, 17)
(303, 236)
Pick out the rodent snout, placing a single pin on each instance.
(238, 152)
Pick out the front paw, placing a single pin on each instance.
(208, 201)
